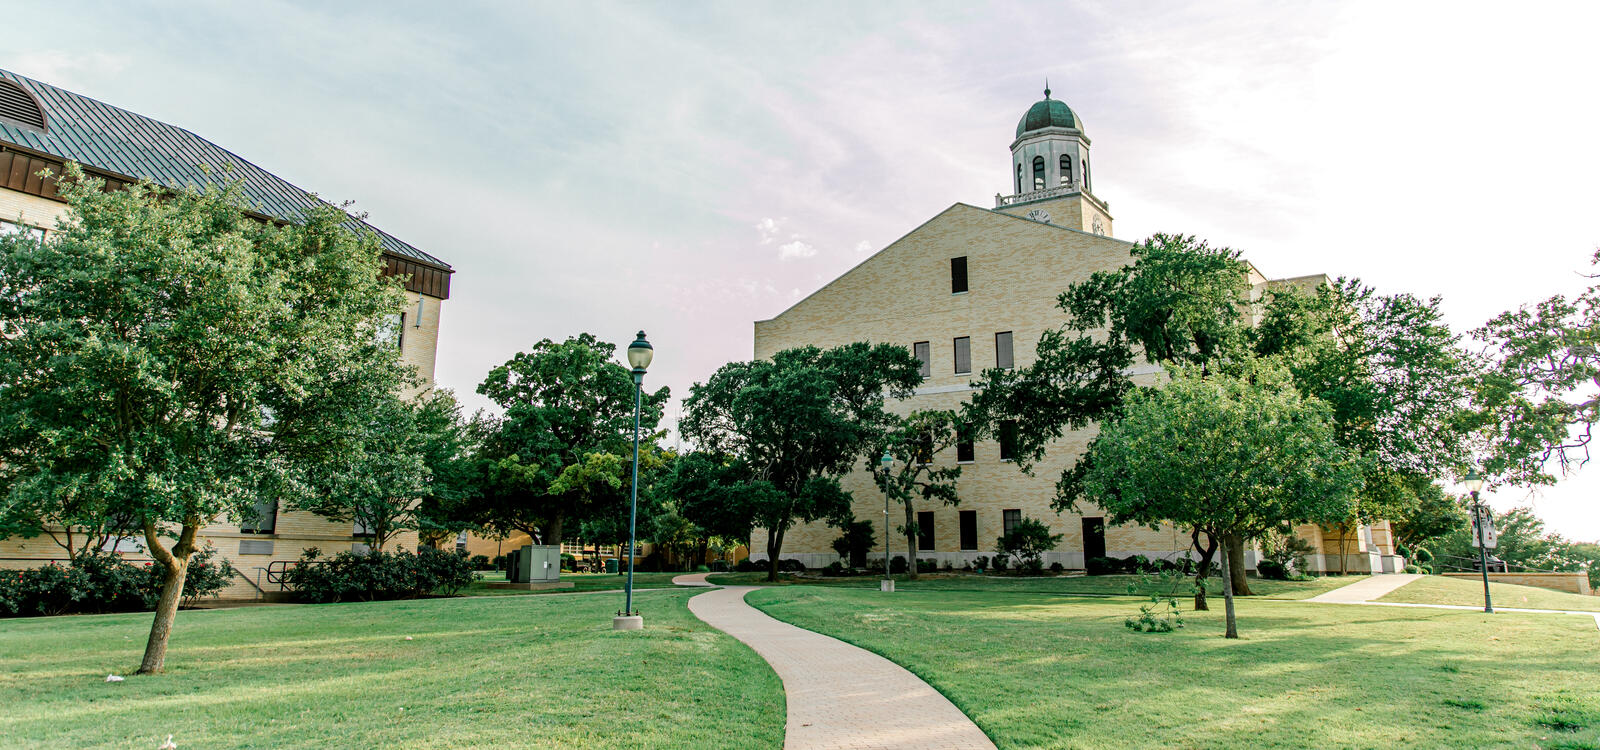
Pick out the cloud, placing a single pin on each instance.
(795, 249)
(769, 228)
(863, 246)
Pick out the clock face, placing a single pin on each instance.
(1098, 227)
(1040, 215)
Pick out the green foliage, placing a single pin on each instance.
(1159, 614)
(1434, 515)
(563, 448)
(852, 545)
(1221, 454)
(1026, 544)
(99, 582)
(778, 433)
(1523, 543)
(377, 575)
(914, 441)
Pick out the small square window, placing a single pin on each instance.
(964, 452)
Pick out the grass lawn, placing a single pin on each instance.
(1038, 671)
(1066, 585)
(1469, 591)
(579, 581)
(480, 672)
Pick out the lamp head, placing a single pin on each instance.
(1472, 481)
(887, 460)
(639, 354)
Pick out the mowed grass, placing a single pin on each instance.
(1107, 585)
(1041, 671)
(1469, 592)
(580, 582)
(541, 672)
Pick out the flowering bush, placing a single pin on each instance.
(97, 581)
(374, 575)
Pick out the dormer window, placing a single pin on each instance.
(18, 107)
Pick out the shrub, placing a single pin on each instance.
(702, 569)
(927, 566)
(1057, 568)
(791, 565)
(1032, 566)
(499, 563)
(98, 582)
(949, 565)
(835, 569)
(898, 564)
(205, 578)
(1272, 570)
(1028, 541)
(1099, 566)
(1413, 569)
(999, 562)
(981, 562)
(47, 590)
(375, 575)
(481, 562)
(1135, 564)
(115, 585)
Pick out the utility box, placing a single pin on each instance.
(536, 564)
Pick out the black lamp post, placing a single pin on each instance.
(1474, 483)
(888, 466)
(639, 355)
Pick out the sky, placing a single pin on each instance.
(687, 168)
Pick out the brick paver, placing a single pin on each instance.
(841, 696)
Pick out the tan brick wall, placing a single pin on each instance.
(1576, 583)
(30, 209)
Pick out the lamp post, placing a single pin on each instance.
(888, 465)
(1474, 483)
(639, 355)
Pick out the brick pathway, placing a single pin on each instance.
(841, 696)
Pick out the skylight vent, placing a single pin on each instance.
(18, 107)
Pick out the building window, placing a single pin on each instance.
(1010, 517)
(925, 531)
(262, 519)
(362, 528)
(924, 355)
(1086, 185)
(958, 275)
(1038, 173)
(1019, 178)
(963, 355)
(1002, 351)
(969, 530)
(964, 452)
(7, 227)
(400, 334)
(1066, 170)
(1008, 440)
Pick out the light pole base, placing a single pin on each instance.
(887, 585)
(627, 622)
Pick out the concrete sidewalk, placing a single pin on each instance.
(840, 696)
(1369, 589)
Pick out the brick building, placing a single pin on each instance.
(43, 127)
(974, 288)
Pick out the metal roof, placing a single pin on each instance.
(109, 139)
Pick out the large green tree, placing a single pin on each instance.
(1228, 455)
(560, 451)
(160, 354)
(791, 426)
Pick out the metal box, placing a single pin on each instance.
(536, 564)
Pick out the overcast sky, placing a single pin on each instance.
(688, 168)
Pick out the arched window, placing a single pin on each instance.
(1038, 173)
(1019, 178)
(1066, 170)
(1086, 185)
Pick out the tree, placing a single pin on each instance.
(562, 448)
(1434, 515)
(1027, 542)
(792, 425)
(1536, 402)
(913, 441)
(854, 542)
(1224, 454)
(160, 354)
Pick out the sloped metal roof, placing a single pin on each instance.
(106, 138)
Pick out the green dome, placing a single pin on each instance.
(1050, 113)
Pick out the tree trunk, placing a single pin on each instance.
(175, 568)
(1227, 597)
(774, 546)
(552, 534)
(1344, 565)
(1202, 569)
(1234, 546)
(911, 543)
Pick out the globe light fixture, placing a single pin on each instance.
(640, 353)
(1474, 483)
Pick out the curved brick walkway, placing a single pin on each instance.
(841, 696)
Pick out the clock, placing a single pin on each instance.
(1040, 215)
(1098, 227)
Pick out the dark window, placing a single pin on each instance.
(969, 530)
(921, 352)
(1002, 350)
(963, 355)
(964, 452)
(1008, 440)
(958, 275)
(400, 334)
(1010, 518)
(263, 518)
(923, 450)
(1066, 170)
(1086, 185)
(1038, 173)
(925, 531)
(1094, 537)
(1019, 177)
(362, 528)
